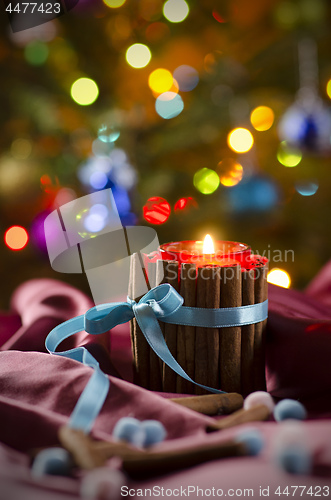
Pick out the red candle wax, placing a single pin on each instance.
(192, 252)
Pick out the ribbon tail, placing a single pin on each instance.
(93, 396)
(152, 332)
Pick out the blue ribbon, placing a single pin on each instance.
(161, 303)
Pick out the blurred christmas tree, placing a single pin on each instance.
(190, 111)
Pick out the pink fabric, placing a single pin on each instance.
(38, 391)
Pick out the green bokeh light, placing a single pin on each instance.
(36, 53)
(206, 180)
(288, 156)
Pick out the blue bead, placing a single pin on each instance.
(253, 440)
(130, 430)
(295, 459)
(289, 408)
(154, 432)
(53, 461)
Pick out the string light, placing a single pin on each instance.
(160, 80)
(240, 140)
(138, 55)
(306, 188)
(187, 77)
(175, 10)
(16, 237)
(288, 156)
(262, 118)
(279, 277)
(36, 53)
(156, 210)
(206, 180)
(328, 88)
(169, 105)
(84, 91)
(230, 172)
(114, 4)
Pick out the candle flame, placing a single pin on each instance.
(208, 245)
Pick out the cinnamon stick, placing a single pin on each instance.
(212, 404)
(201, 334)
(154, 360)
(138, 463)
(260, 294)
(186, 347)
(230, 337)
(256, 414)
(141, 346)
(247, 335)
(170, 273)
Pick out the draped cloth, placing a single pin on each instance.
(38, 391)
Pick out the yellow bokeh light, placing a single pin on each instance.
(288, 156)
(279, 277)
(138, 55)
(230, 172)
(114, 4)
(175, 10)
(262, 118)
(240, 140)
(328, 88)
(160, 80)
(84, 91)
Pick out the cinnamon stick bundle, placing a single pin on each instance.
(247, 335)
(186, 344)
(230, 337)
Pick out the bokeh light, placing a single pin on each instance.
(186, 77)
(156, 210)
(160, 80)
(16, 237)
(328, 88)
(230, 172)
(114, 4)
(108, 133)
(185, 203)
(84, 91)
(175, 10)
(98, 179)
(279, 277)
(262, 118)
(240, 140)
(138, 55)
(169, 105)
(289, 156)
(96, 218)
(21, 148)
(306, 188)
(206, 180)
(36, 53)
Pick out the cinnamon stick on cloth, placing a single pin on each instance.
(186, 346)
(247, 335)
(230, 337)
(207, 343)
(169, 270)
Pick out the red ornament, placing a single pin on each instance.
(156, 210)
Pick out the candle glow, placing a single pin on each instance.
(208, 245)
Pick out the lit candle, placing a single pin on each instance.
(202, 253)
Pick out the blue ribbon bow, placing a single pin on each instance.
(161, 303)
